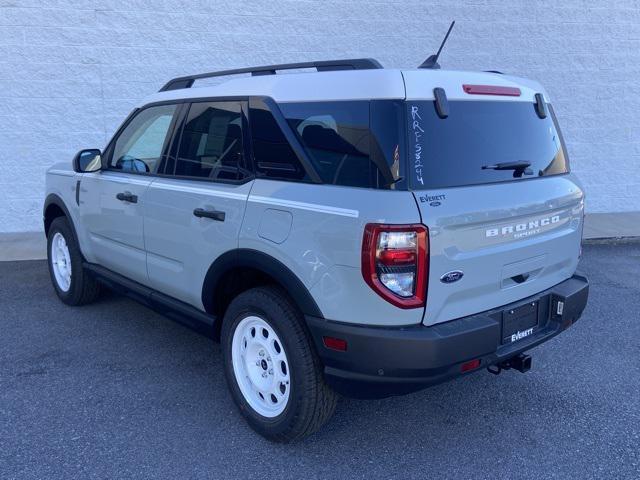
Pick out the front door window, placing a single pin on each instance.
(139, 147)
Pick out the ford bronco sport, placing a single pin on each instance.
(352, 230)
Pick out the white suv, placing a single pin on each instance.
(358, 230)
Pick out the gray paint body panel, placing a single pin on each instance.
(323, 247)
(493, 233)
(180, 246)
(114, 229)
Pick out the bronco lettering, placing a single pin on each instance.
(522, 229)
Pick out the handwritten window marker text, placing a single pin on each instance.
(417, 149)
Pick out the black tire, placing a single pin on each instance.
(83, 288)
(311, 402)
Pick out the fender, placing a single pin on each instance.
(244, 257)
(53, 199)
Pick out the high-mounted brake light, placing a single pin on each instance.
(395, 262)
(491, 90)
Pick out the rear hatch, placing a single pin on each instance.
(493, 186)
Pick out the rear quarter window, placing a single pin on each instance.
(350, 143)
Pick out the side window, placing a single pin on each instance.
(336, 136)
(211, 142)
(274, 157)
(139, 146)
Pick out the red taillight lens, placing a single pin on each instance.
(397, 257)
(395, 262)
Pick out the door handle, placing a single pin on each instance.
(523, 277)
(212, 214)
(127, 197)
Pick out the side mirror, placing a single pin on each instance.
(88, 160)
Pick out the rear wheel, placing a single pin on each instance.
(274, 375)
(71, 282)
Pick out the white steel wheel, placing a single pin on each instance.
(260, 366)
(61, 262)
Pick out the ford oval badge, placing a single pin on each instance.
(452, 276)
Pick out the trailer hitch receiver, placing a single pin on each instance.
(521, 363)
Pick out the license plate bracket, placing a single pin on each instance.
(519, 322)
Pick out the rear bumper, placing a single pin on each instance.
(382, 361)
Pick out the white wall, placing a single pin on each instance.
(70, 70)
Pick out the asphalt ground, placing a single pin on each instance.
(114, 390)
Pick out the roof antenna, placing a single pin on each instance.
(432, 61)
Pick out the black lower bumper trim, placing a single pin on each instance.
(382, 361)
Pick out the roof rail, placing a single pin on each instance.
(321, 66)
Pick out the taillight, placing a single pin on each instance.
(395, 262)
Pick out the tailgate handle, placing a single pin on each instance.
(523, 277)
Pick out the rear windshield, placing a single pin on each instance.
(501, 136)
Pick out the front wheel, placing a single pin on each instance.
(272, 370)
(71, 282)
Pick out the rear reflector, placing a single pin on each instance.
(491, 90)
(335, 343)
(470, 365)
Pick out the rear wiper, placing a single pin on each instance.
(518, 167)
